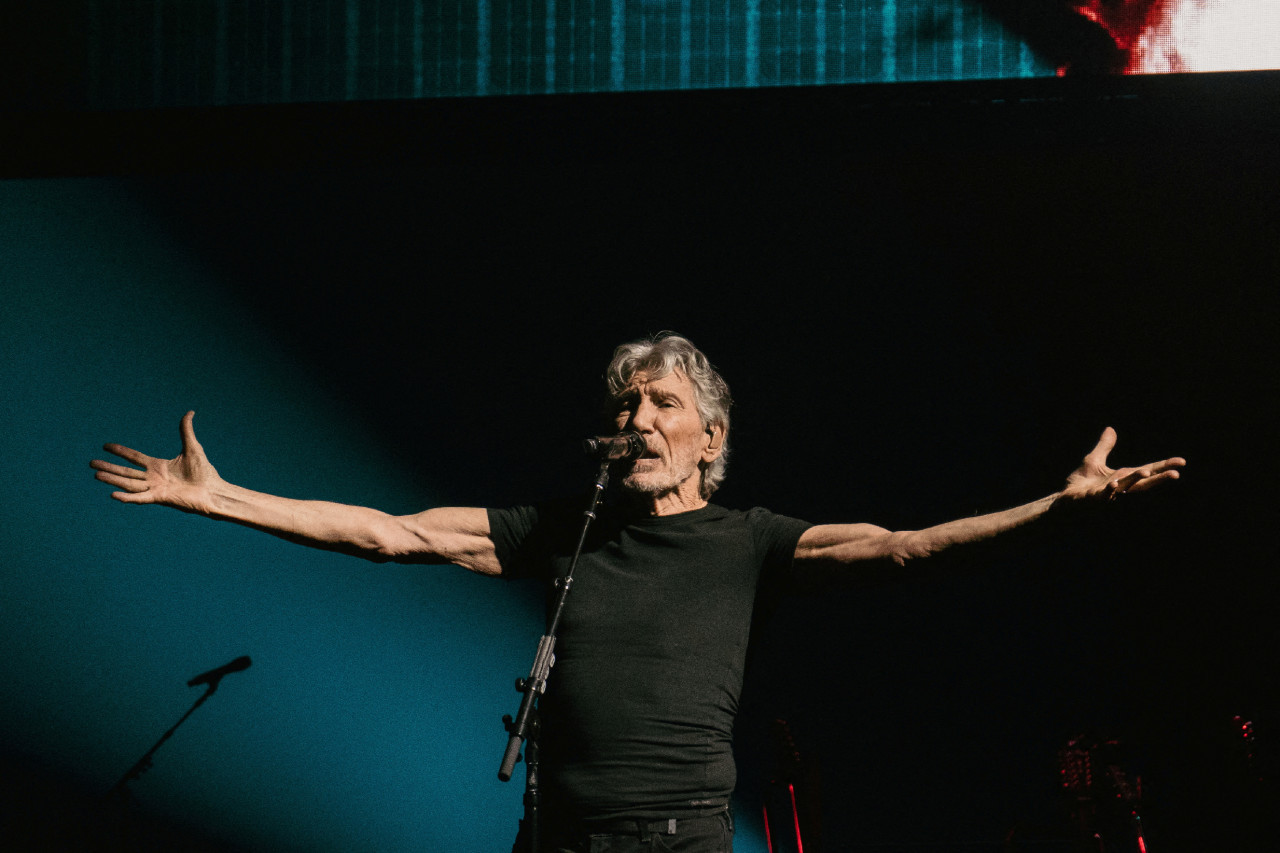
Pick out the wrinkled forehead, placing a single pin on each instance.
(645, 381)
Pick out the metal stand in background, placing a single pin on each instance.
(119, 793)
(790, 798)
(524, 728)
(1104, 804)
(144, 763)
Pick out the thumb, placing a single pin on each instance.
(188, 433)
(1103, 448)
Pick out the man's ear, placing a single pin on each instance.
(715, 441)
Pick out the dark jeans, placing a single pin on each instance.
(709, 834)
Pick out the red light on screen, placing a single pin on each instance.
(1165, 36)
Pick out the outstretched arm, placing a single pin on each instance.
(189, 482)
(843, 544)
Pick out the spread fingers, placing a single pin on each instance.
(118, 470)
(129, 453)
(129, 484)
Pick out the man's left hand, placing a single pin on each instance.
(1093, 480)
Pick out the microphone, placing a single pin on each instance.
(623, 446)
(213, 676)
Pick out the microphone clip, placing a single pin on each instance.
(622, 447)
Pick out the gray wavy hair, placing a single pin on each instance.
(660, 355)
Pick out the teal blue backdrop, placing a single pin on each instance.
(369, 719)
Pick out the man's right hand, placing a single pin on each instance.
(188, 482)
(183, 482)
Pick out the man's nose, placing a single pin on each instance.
(642, 417)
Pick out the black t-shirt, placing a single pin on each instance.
(638, 714)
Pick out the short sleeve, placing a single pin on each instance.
(527, 538)
(776, 537)
(510, 529)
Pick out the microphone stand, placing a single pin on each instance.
(120, 790)
(526, 724)
(144, 763)
(212, 678)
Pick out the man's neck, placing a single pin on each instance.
(669, 503)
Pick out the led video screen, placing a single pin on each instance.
(172, 53)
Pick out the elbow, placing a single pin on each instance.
(385, 542)
(906, 546)
(381, 555)
(369, 549)
(399, 539)
(390, 550)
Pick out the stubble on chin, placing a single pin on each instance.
(654, 484)
(639, 484)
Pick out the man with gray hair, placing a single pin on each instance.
(638, 718)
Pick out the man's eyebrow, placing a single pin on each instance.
(632, 392)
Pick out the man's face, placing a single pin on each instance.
(665, 412)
